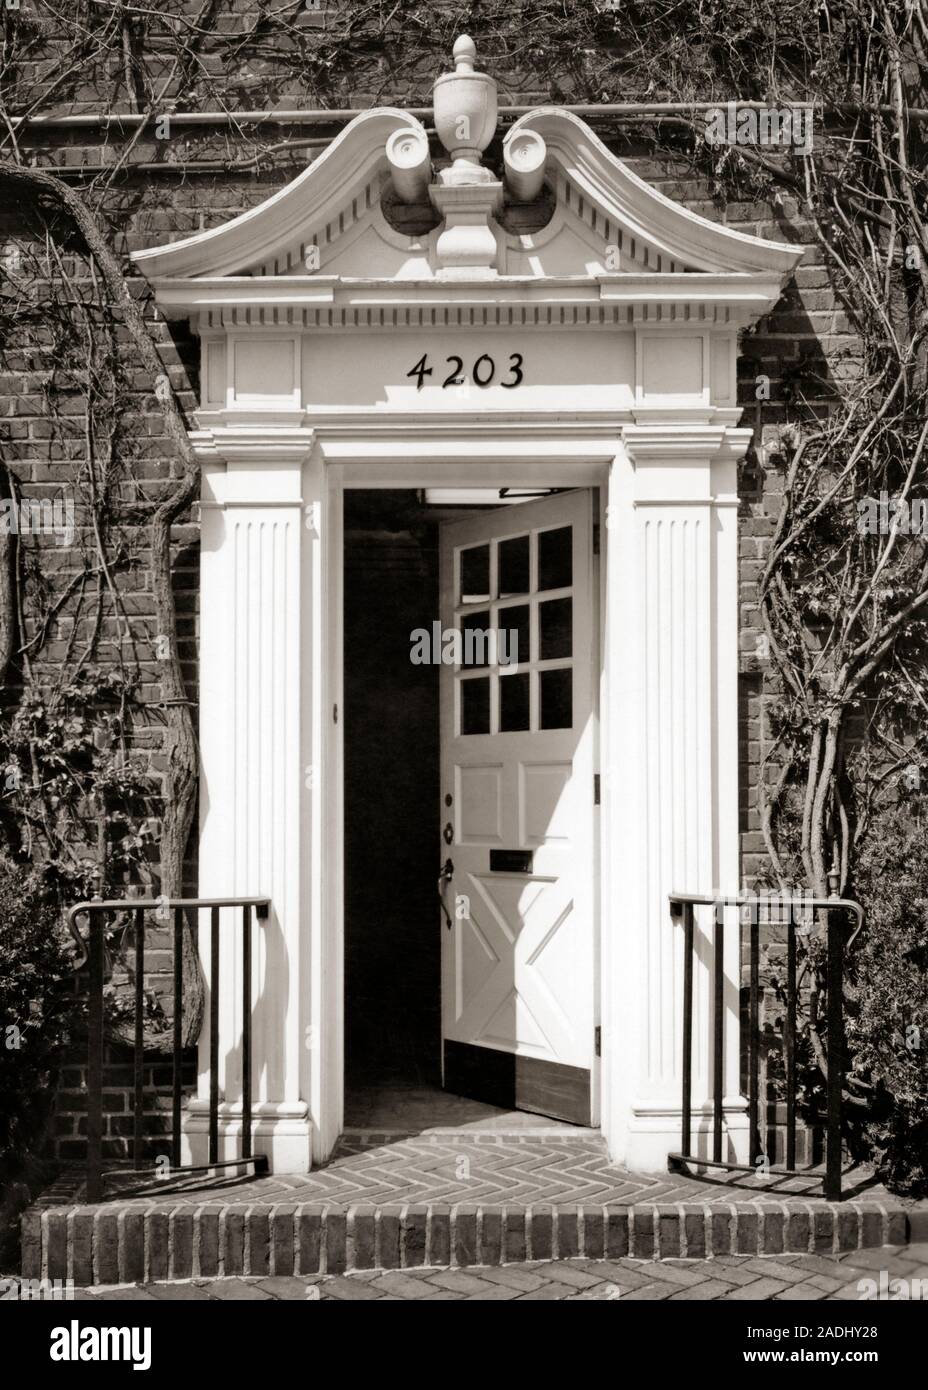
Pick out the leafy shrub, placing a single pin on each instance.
(887, 1024)
(36, 1006)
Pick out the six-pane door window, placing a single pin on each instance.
(514, 610)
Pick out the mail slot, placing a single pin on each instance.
(511, 861)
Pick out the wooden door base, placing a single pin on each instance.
(518, 1083)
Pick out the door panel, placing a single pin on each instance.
(518, 756)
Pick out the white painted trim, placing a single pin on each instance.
(677, 470)
(321, 302)
(380, 470)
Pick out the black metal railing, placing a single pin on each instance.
(93, 955)
(837, 910)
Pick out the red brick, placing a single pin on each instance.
(464, 1234)
(616, 1233)
(105, 1248)
(206, 1242)
(360, 1238)
(439, 1236)
(643, 1233)
(492, 1237)
(257, 1246)
(233, 1241)
(309, 1225)
(81, 1240)
(132, 1248)
(541, 1232)
(413, 1237)
(182, 1244)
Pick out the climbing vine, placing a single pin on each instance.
(79, 798)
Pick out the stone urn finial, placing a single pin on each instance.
(465, 115)
(464, 54)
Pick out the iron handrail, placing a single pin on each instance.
(682, 905)
(742, 899)
(93, 955)
(261, 906)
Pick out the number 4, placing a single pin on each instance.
(420, 370)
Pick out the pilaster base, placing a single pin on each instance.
(282, 1132)
(654, 1132)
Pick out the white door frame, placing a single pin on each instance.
(272, 751)
(385, 472)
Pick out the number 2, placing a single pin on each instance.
(454, 379)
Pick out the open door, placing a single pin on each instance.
(518, 750)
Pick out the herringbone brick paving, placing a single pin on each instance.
(520, 1171)
(896, 1272)
(465, 1198)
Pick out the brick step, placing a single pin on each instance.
(125, 1242)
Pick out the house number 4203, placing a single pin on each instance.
(482, 372)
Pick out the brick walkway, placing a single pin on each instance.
(728, 1277)
(557, 1169)
(445, 1198)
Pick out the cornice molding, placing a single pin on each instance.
(669, 439)
(220, 436)
(306, 302)
(253, 443)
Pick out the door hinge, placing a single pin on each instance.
(335, 714)
(595, 788)
(595, 537)
(598, 1040)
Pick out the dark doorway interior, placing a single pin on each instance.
(393, 848)
(392, 926)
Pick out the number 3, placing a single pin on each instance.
(515, 366)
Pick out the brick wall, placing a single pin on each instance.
(68, 1142)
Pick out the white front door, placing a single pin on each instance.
(518, 757)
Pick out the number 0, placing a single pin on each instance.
(486, 380)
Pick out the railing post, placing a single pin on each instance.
(687, 1139)
(139, 1049)
(754, 1035)
(789, 1042)
(835, 1036)
(95, 1058)
(718, 1011)
(178, 1035)
(246, 1032)
(214, 1036)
